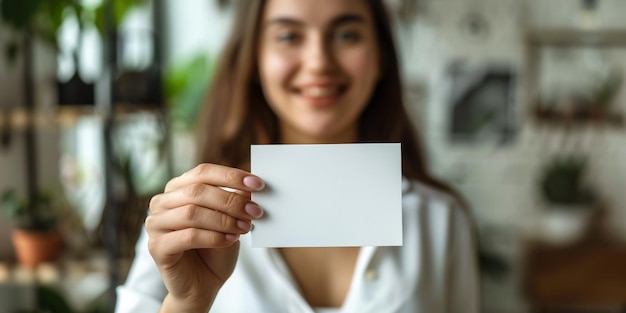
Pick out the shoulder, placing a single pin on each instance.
(432, 203)
(429, 195)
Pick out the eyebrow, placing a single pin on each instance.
(341, 19)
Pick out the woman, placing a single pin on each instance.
(306, 71)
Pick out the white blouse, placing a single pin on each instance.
(434, 271)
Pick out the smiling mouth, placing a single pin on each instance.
(321, 92)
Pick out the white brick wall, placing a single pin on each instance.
(500, 182)
(438, 41)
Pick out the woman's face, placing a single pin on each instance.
(318, 65)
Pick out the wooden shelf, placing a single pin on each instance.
(573, 118)
(573, 37)
(18, 118)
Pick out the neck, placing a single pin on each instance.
(289, 136)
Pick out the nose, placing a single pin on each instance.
(319, 57)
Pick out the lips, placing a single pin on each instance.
(321, 94)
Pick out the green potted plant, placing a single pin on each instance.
(569, 202)
(562, 183)
(36, 237)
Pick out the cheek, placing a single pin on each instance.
(362, 65)
(275, 69)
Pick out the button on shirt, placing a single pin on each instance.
(434, 271)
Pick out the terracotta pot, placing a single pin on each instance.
(33, 247)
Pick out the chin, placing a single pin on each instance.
(327, 135)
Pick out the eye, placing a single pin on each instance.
(288, 37)
(348, 36)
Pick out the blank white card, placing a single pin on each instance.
(328, 195)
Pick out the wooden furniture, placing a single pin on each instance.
(588, 275)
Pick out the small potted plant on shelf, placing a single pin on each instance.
(36, 237)
(569, 202)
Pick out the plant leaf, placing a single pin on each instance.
(11, 50)
(185, 87)
(19, 14)
(11, 204)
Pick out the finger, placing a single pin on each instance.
(176, 242)
(217, 175)
(207, 196)
(191, 216)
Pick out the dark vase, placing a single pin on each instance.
(138, 87)
(75, 92)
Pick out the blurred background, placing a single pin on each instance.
(520, 103)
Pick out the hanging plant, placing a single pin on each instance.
(39, 18)
(43, 18)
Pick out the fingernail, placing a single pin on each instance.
(231, 237)
(244, 225)
(253, 182)
(253, 210)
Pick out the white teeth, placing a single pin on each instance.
(318, 92)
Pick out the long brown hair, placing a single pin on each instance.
(237, 114)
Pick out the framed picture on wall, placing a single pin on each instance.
(481, 106)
